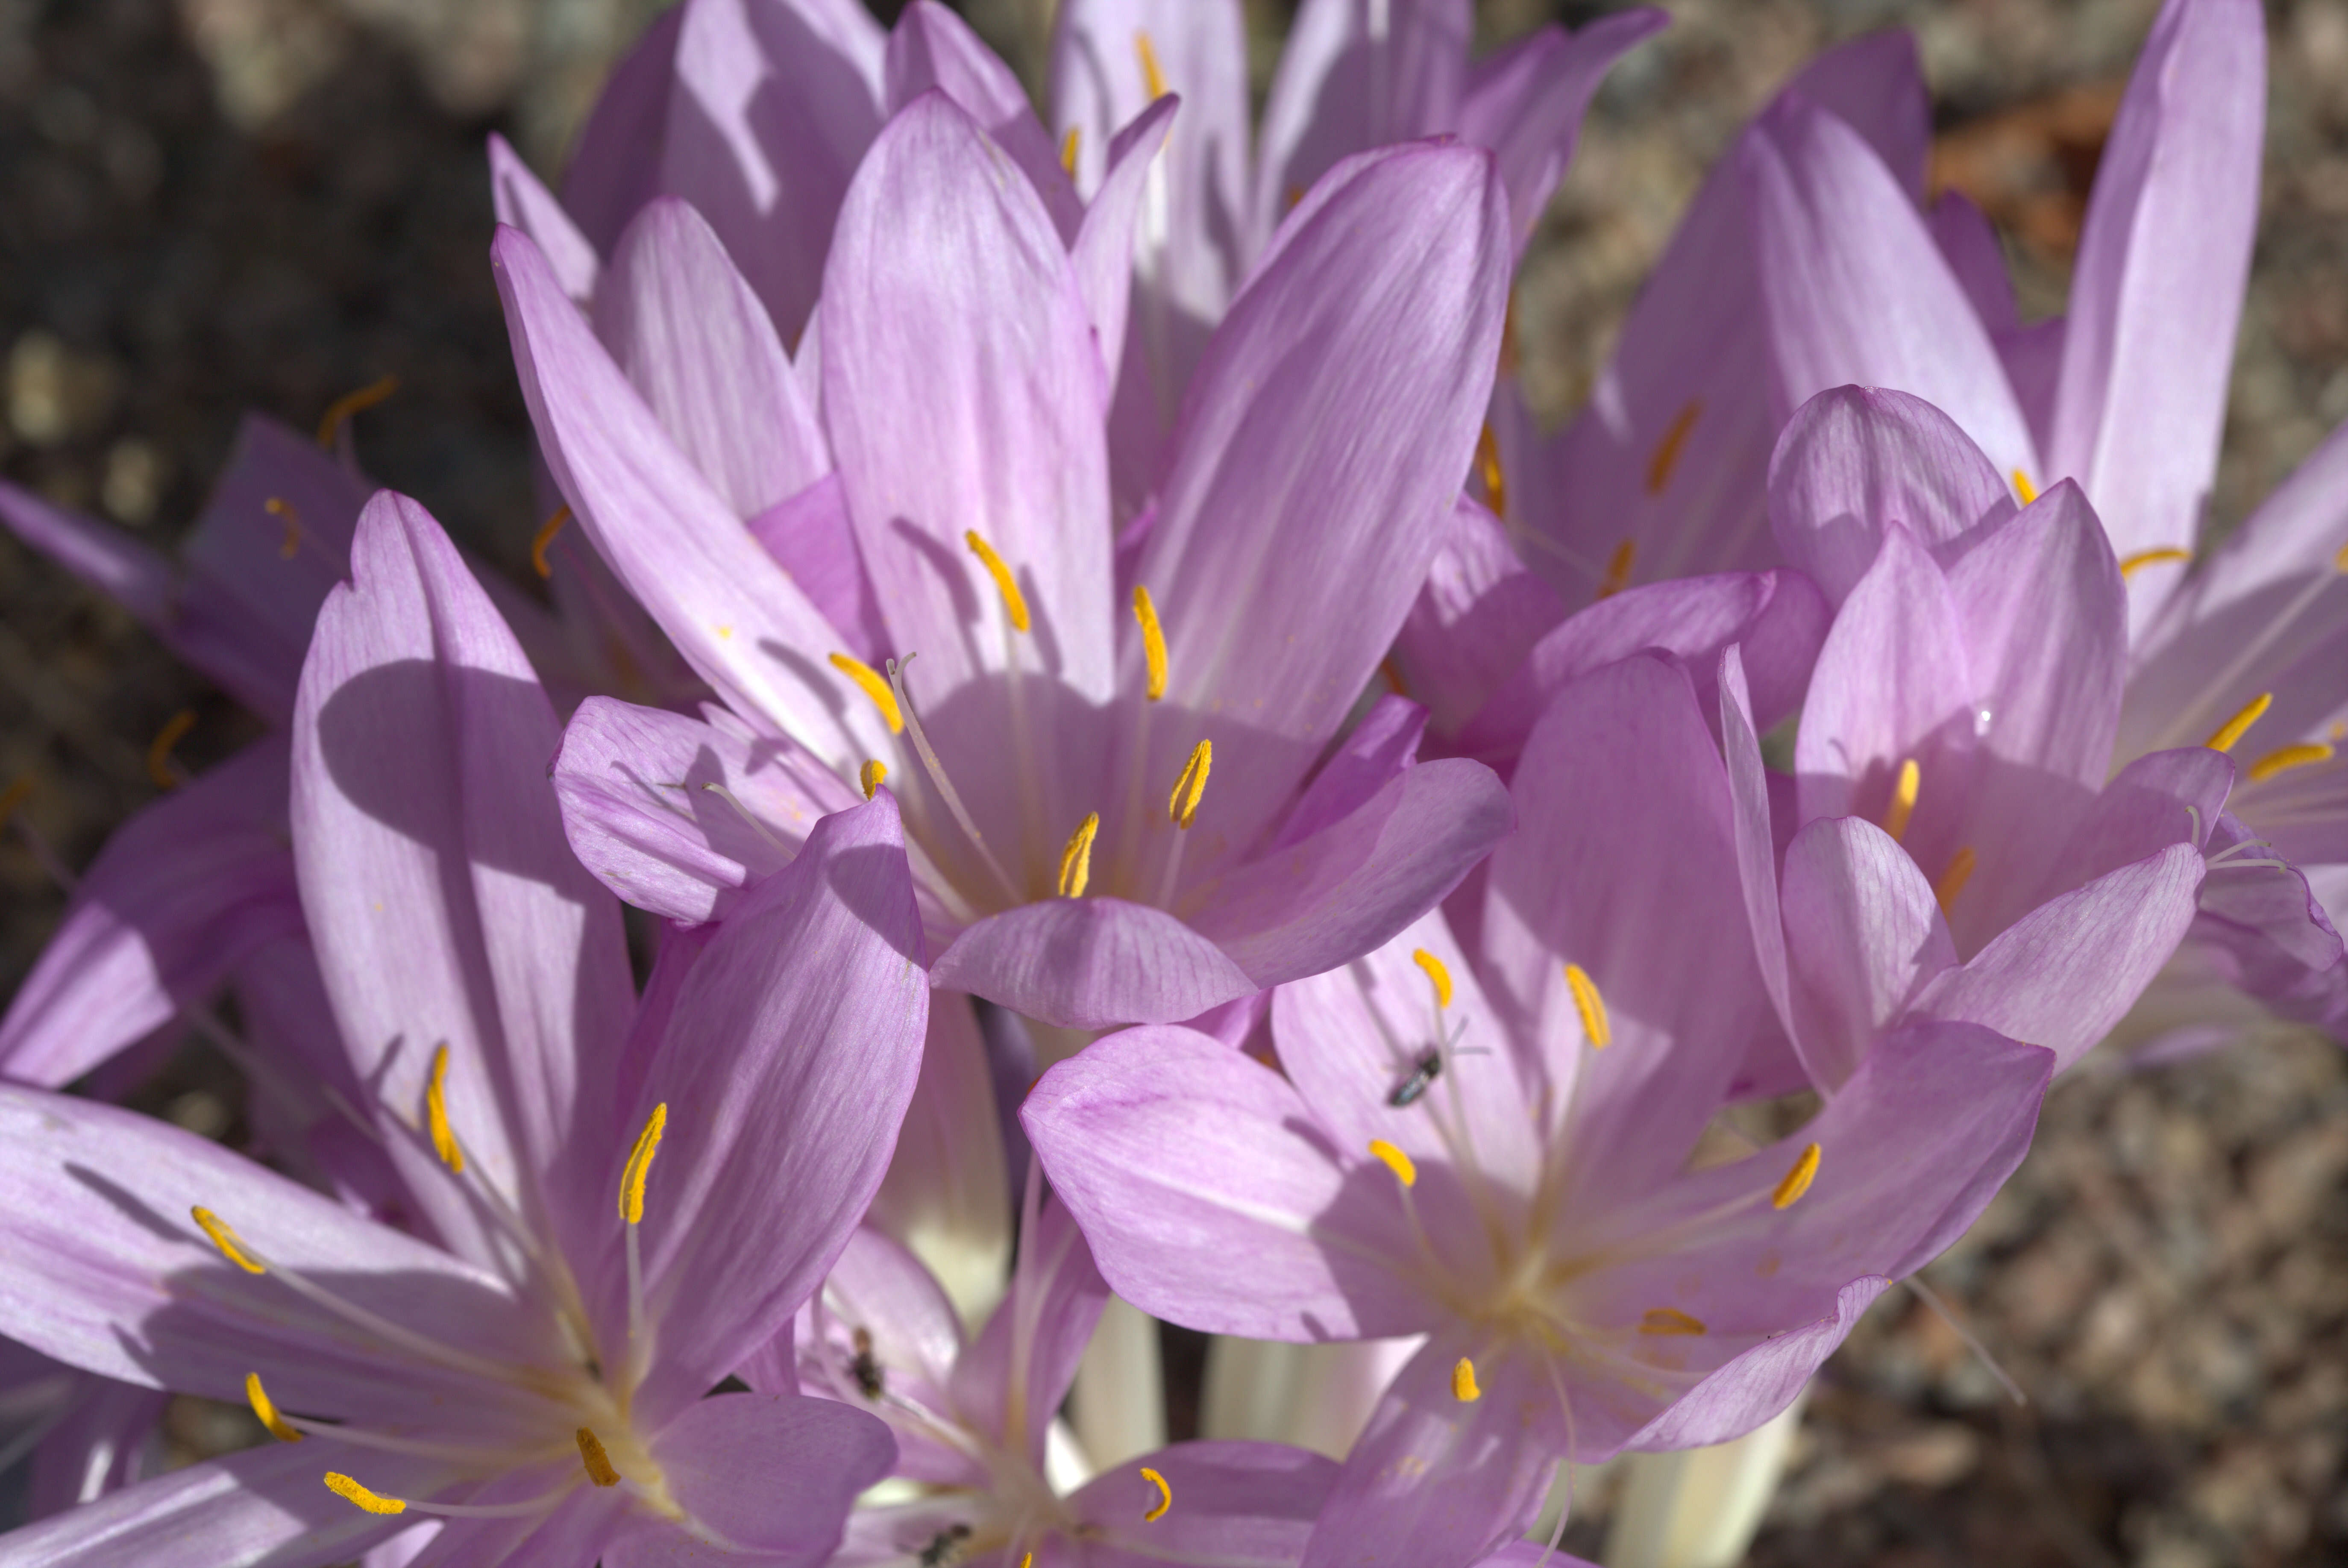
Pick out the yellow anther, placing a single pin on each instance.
(1183, 806)
(871, 776)
(1437, 973)
(598, 1462)
(1027, 1560)
(2339, 559)
(1668, 449)
(351, 403)
(1618, 569)
(1157, 1511)
(1405, 1169)
(640, 1164)
(12, 798)
(1797, 1179)
(1015, 602)
(1077, 860)
(870, 682)
(1292, 196)
(1591, 1006)
(2290, 756)
(1152, 77)
(1903, 801)
(1487, 463)
(1953, 877)
(544, 537)
(1153, 640)
(264, 1410)
(2132, 564)
(158, 750)
(1672, 1320)
(1069, 147)
(436, 1113)
(1509, 357)
(2232, 729)
(351, 1491)
(226, 1240)
(291, 546)
(2023, 487)
(1463, 1382)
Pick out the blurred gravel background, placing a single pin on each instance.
(211, 205)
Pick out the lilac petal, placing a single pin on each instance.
(1759, 1383)
(2264, 929)
(1757, 853)
(786, 1069)
(1380, 747)
(1853, 458)
(1300, 910)
(692, 338)
(2156, 291)
(184, 892)
(615, 168)
(1321, 449)
(811, 537)
(2168, 797)
(932, 49)
(1477, 615)
(1354, 75)
(1016, 1376)
(1091, 964)
(106, 1442)
(915, 1338)
(1247, 1505)
(522, 202)
(1176, 1154)
(765, 1479)
(1863, 936)
(581, 1527)
(774, 105)
(1102, 251)
(948, 1194)
(142, 581)
(1969, 244)
(1875, 83)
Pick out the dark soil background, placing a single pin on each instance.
(213, 205)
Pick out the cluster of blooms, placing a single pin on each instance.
(1836, 708)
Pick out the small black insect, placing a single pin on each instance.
(1422, 1077)
(866, 1367)
(941, 1549)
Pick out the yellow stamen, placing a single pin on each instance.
(12, 798)
(2290, 756)
(1670, 1319)
(351, 1491)
(1797, 1179)
(226, 1240)
(2339, 559)
(1953, 877)
(1437, 973)
(640, 1164)
(1591, 1006)
(2023, 487)
(1487, 461)
(1015, 602)
(1508, 335)
(1027, 1560)
(1295, 194)
(1068, 146)
(436, 1113)
(544, 537)
(1157, 1511)
(351, 403)
(867, 681)
(1077, 860)
(1618, 569)
(1153, 640)
(1463, 1382)
(870, 775)
(1151, 75)
(1184, 805)
(1903, 801)
(598, 1462)
(158, 750)
(291, 546)
(264, 1410)
(2131, 565)
(1406, 1169)
(1667, 450)
(2232, 729)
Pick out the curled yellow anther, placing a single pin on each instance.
(1463, 1382)
(871, 776)
(2286, 759)
(2132, 564)
(1667, 450)
(1015, 602)
(1668, 1320)
(870, 682)
(12, 798)
(2023, 487)
(1487, 463)
(544, 537)
(1953, 877)
(1437, 974)
(158, 750)
(598, 1462)
(264, 1410)
(351, 403)
(640, 1164)
(1591, 1006)
(1153, 640)
(1618, 569)
(226, 1240)
(2339, 559)
(1903, 800)
(351, 1491)
(1152, 77)
(1157, 1511)
(1077, 860)
(436, 1113)
(290, 545)
(2233, 728)
(1069, 144)
(1183, 806)
(1405, 1168)
(1797, 1179)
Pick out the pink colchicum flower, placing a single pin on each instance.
(534, 1376)
(1491, 1146)
(1064, 687)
